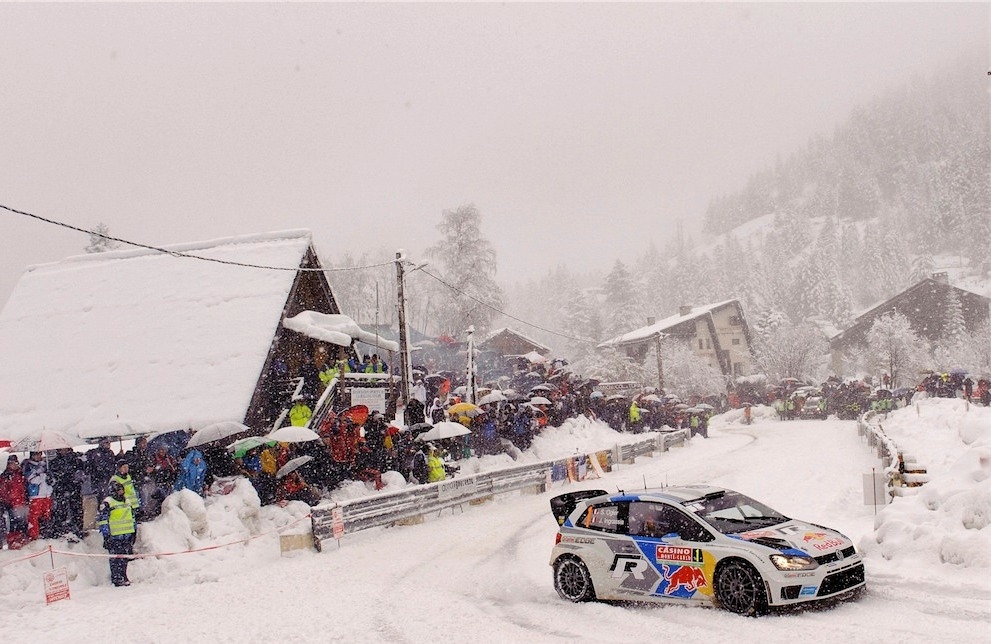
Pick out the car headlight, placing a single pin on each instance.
(793, 562)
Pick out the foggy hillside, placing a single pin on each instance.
(900, 190)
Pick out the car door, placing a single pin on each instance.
(610, 554)
(674, 544)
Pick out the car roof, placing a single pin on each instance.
(673, 494)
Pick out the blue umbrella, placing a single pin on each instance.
(174, 442)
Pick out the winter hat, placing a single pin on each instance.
(12, 458)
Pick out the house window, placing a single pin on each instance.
(708, 344)
(736, 341)
(735, 320)
(701, 345)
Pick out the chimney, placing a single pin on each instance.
(650, 321)
(684, 309)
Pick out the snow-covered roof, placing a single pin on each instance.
(144, 336)
(507, 330)
(658, 328)
(337, 329)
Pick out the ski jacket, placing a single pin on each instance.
(193, 472)
(36, 475)
(13, 489)
(116, 518)
(130, 494)
(435, 469)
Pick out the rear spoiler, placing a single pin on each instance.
(562, 506)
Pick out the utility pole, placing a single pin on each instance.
(404, 358)
(470, 386)
(660, 363)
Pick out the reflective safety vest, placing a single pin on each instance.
(299, 415)
(435, 469)
(634, 413)
(130, 495)
(120, 519)
(327, 375)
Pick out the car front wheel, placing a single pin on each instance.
(740, 589)
(572, 580)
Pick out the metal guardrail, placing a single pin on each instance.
(895, 475)
(407, 504)
(661, 442)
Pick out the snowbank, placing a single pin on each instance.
(229, 531)
(947, 521)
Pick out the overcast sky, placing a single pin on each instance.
(579, 130)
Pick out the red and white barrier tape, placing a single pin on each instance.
(144, 555)
(31, 556)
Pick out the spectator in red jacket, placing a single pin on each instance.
(14, 503)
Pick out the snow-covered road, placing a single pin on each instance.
(482, 575)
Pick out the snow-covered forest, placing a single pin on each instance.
(899, 191)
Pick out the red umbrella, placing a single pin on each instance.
(357, 413)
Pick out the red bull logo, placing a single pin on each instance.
(683, 577)
(814, 536)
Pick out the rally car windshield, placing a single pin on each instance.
(732, 512)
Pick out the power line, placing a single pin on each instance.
(512, 317)
(173, 253)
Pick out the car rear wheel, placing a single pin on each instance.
(740, 589)
(572, 580)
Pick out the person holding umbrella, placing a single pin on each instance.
(292, 486)
(435, 466)
(40, 490)
(101, 463)
(117, 525)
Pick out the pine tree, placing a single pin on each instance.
(468, 262)
(624, 304)
(99, 240)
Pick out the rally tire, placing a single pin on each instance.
(572, 580)
(740, 589)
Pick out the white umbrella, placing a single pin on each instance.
(705, 406)
(543, 387)
(216, 432)
(42, 441)
(292, 465)
(495, 396)
(442, 430)
(293, 434)
(539, 400)
(115, 428)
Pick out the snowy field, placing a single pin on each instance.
(482, 575)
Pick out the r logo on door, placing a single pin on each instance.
(632, 564)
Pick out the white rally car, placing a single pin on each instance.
(696, 544)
